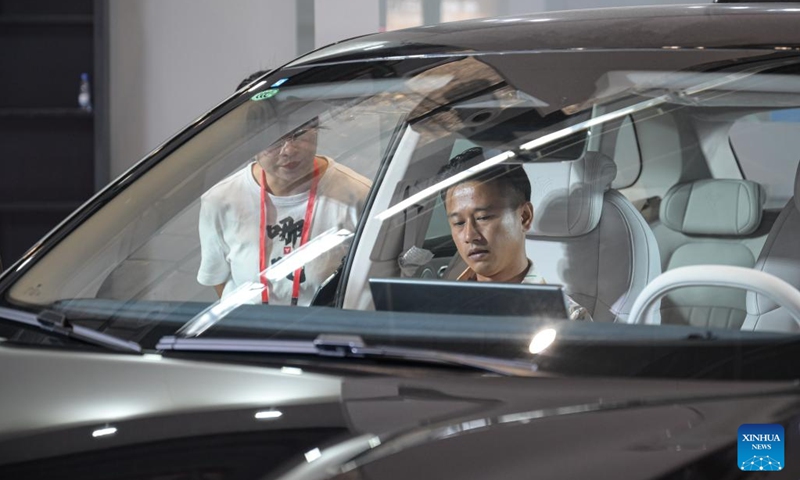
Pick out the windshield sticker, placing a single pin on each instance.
(264, 95)
(761, 447)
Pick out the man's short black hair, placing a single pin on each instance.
(509, 178)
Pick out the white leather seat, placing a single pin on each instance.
(780, 257)
(709, 222)
(588, 237)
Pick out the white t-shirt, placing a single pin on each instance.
(230, 222)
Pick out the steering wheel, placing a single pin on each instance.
(757, 281)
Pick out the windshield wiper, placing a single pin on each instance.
(57, 323)
(349, 346)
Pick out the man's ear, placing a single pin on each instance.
(526, 212)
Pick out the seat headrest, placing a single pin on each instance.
(567, 196)
(713, 207)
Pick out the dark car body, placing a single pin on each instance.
(603, 408)
(389, 422)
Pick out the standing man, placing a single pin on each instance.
(285, 196)
(489, 215)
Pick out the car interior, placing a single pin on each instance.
(726, 217)
(659, 192)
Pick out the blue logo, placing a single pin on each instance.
(761, 447)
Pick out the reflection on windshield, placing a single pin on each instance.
(613, 150)
(716, 82)
(250, 292)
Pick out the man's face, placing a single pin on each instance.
(291, 159)
(488, 232)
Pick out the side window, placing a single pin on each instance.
(438, 240)
(357, 138)
(438, 228)
(166, 266)
(767, 147)
(193, 222)
(438, 232)
(626, 155)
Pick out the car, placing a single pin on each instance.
(660, 144)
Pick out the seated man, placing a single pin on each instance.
(285, 196)
(489, 215)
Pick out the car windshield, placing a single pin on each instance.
(455, 202)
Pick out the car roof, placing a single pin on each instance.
(650, 27)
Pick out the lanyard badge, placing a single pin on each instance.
(262, 257)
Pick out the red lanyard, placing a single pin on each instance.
(262, 257)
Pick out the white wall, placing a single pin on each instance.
(172, 60)
(578, 4)
(516, 7)
(336, 20)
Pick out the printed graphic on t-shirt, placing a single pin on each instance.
(287, 230)
(290, 277)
